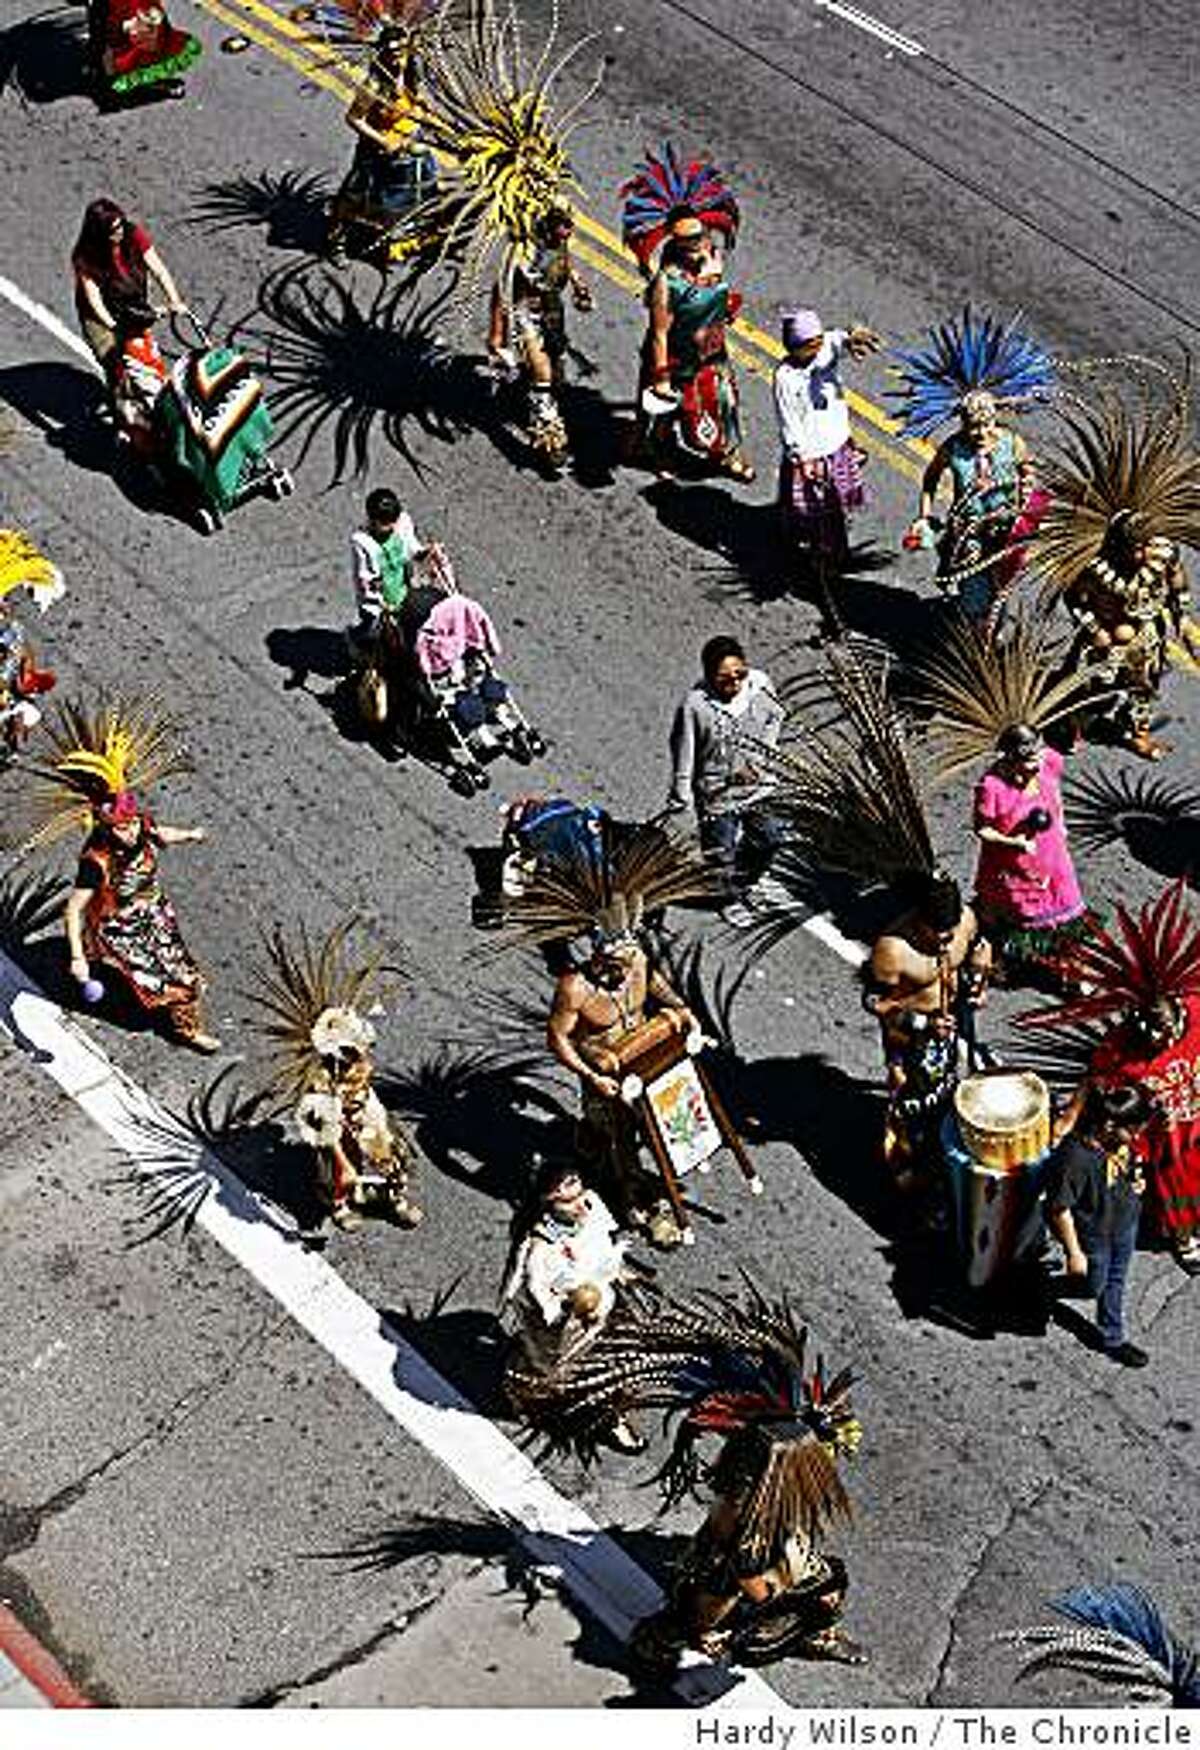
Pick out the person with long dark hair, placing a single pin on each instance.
(116, 267)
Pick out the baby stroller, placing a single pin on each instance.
(214, 430)
(539, 833)
(201, 424)
(458, 692)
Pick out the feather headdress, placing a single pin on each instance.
(968, 354)
(1118, 1637)
(715, 1366)
(1151, 956)
(850, 778)
(117, 746)
(310, 996)
(23, 566)
(975, 686)
(666, 188)
(1122, 475)
(607, 895)
(492, 117)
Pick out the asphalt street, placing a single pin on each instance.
(197, 1505)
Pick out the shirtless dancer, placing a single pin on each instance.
(921, 967)
(595, 1005)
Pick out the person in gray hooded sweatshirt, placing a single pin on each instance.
(729, 714)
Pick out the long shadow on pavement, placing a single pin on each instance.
(753, 561)
(65, 403)
(289, 205)
(45, 58)
(532, 1576)
(481, 1115)
(1156, 819)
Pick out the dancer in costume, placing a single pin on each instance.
(565, 1274)
(820, 467)
(136, 51)
(116, 268)
(119, 923)
(975, 368)
(528, 335)
(1125, 499)
(312, 998)
(489, 113)
(597, 902)
(687, 391)
(22, 566)
(1030, 902)
(927, 968)
(1115, 1635)
(991, 698)
(1144, 983)
(394, 174)
(609, 993)
(756, 1583)
(849, 784)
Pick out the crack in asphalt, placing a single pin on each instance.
(1016, 1508)
(354, 1655)
(1185, 1286)
(20, 1527)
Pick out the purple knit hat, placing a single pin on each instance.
(797, 326)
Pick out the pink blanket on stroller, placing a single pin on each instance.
(454, 627)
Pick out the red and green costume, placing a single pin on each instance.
(135, 45)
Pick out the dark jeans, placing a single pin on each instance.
(1108, 1256)
(745, 842)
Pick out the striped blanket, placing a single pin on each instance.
(217, 423)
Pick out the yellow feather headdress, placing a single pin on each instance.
(118, 744)
(504, 148)
(24, 566)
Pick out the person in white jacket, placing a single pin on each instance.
(820, 466)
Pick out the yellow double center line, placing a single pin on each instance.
(753, 348)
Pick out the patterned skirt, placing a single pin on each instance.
(815, 509)
(709, 418)
(144, 944)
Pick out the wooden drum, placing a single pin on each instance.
(1003, 1118)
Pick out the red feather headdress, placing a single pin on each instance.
(1152, 955)
(663, 190)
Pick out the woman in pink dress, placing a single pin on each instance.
(1027, 892)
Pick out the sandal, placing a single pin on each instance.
(836, 1646)
(662, 1229)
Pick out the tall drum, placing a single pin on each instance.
(997, 1141)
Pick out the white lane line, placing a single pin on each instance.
(47, 319)
(845, 947)
(863, 21)
(598, 1573)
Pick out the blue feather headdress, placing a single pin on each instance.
(665, 189)
(965, 354)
